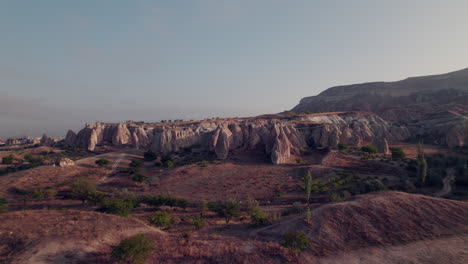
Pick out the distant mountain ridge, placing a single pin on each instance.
(434, 107)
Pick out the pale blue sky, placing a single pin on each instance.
(66, 62)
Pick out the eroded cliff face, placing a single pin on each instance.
(278, 136)
(434, 108)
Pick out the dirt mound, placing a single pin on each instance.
(388, 218)
(68, 236)
(378, 220)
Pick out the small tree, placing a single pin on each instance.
(150, 155)
(342, 146)
(398, 153)
(308, 215)
(308, 185)
(258, 217)
(296, 241)
(140, 177)
(371, 149)
(203, 207)
(160, 219)
(198, 222)
(168, 164)
(136, 164)
(228, 209)
(117, 206)
(102, 162)
(133, 250)
(3, 205)
(8, 159)
(82, 189)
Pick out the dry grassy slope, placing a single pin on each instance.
(380, 220)
(67, 236)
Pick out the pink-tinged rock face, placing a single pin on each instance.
(278, 138)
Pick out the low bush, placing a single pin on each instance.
(102, 162)
(369, 149)
(296, 241)
(228, 209)
(160, 219)
(198, 222)
(398, 153)
(150, 155)
(133, 250)
(136, 164)
(259, 217)
(140, 177)
(8, 159)
(117, 206)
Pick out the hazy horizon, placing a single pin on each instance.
(65, 63)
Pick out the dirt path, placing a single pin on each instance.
(447, 185)
(114, 167)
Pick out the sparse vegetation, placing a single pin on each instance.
(198, 222)
(308, 185)
(139, 177)
(203, 163)
(296, 241)
(342, 146)
(259, 217)
(117, 206)
(136, 164)
(168, 164)
(102, 162)
(150, 155)
(160, 219)
(298, 161)
(8, 159)
(82, 189)
(398, 153)
(3, 205)
(159, 200)
(133, 250)
(228, 209)
(371, 149)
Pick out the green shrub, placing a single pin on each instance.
(82, 189)
(198, 222)
(369, 149)
(342, 146)
(150, 155)
(140, 177)
(335, 197)
(298, 161)
(38, 194)
(296, 241)
(102, 162)
(168, 164)
(133, 250)
(136, 164)
(159, 200)
(50, 193)
(117, 206)
(398, 153)
(259, 217)
(203, 163)
(3, 205)
(228, 209)
(160, 219)
(8, 159)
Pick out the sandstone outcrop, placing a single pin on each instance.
(278, 136)
(47, 141)
(64, 162)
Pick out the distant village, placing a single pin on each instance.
(28, 141)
